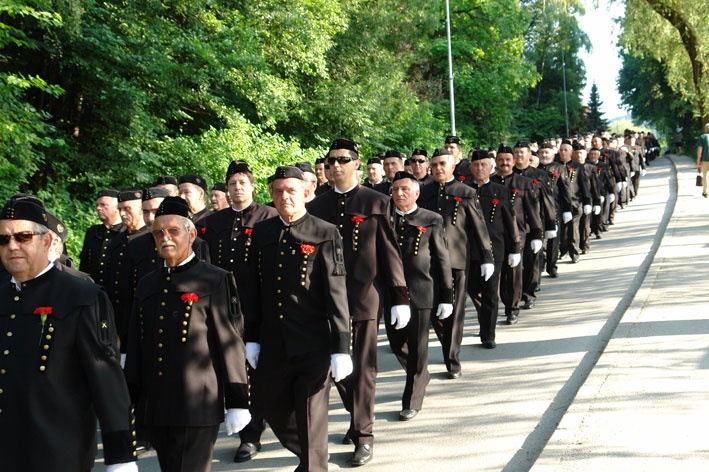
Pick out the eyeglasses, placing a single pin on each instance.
(160, 233)
(340, 160)
(417, 161)
(21, 237)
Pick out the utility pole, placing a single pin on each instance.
(451, 75)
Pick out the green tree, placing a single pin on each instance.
(676, 33)
(594, 118)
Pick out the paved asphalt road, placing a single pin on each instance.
(609, 372)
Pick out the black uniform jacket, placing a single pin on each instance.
(424, 250)
(465, 228)
(57, 379)
(558, 186)
(228, 234)
(524, 202)
(297, 288)
(540, 183)
(495, 201)
(94, 258)
(372, 257)
(186, 360)
(579, 192)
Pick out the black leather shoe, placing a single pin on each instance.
(407, 414)
(511, 319)
(362, 454)
(347, 439)
(489, 344)
(574, 259)
(528, 304)
(553, 273)
(454, 375)
(246, 451)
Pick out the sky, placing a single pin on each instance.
(603, 63)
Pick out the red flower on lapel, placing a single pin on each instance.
(189, 298)
(421, 229)
(307, 249)
(458, 199)
(495, 201)
(357, 219)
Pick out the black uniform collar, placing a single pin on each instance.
(34, 281)
(251, 206)
(183, 267)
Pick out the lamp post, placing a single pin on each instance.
(451, 75)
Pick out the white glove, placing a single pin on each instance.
(236, 419)
(252, 352)
(444, 310)
(550, 234)
(618, 186)
(566, 217)
(587, 209)
(341, 366)
(400, 315)
(596, 209)
(536, 245)
(643, 172)
(123, 360)
(603, 199)
(611, 198)
(632, 174)
(486, 270)
(123, 467)
(625, 184)
(513, 260)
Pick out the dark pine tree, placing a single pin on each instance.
(594, 118)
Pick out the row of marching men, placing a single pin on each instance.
(300, 281)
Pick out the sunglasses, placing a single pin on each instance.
(418, 161)
(21, 237)
(340, 160)
(160, 233)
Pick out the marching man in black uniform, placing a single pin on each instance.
(229, 235)
(61, 365)
(374, 267)
(469, 244)
(427, 269)
(496, 206)
(297, 320)
(186, 359)
(95, 253)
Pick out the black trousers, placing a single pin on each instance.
(450, 330)
(357, 389)
(486, 298)
(511, 284)
(410, 346)
(252, 432)
(570, 236)
(293, 393)
(531, 271)
(183, 448)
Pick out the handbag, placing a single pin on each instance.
(699, 180)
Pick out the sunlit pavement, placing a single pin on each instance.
(608, 372)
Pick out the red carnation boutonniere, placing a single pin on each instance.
(570, 169)
(458, 199)
(455, 210)
(535, 182)
(421, 230)
(494, 202)
(43, 312)
(355, 231)
(189, 298)
(248, 231)
(203, 230)
(515, 191)
(461, 178)
(307, 249)
(555, 174)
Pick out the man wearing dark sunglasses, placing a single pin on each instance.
(374, 267)
(60, 366)
(420, 165)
